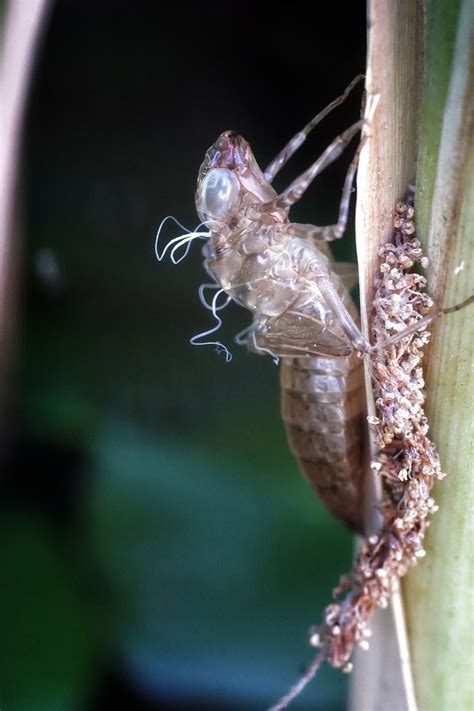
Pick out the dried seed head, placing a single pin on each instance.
(373, 420)
(408, 462)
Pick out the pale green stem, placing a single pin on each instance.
(438, 592)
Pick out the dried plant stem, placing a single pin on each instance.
(382, 676)
(297, 688)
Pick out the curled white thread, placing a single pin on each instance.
(208, 305)
(242, 337)
(213, 307)
(185, 240)
(179, 241)
(275, 358)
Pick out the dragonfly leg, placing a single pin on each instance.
(339, 309)
(297, 188)
(329, 232)
(355, 335)
(298, 139)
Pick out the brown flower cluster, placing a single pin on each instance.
(407, 462)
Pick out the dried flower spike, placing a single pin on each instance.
(407, 462)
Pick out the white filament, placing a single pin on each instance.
(275, 358)
(205, 303)
(213, 308)
(242, 337)
(179, 241)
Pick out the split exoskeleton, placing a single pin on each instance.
(302, 310)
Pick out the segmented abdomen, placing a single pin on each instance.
(323, 407)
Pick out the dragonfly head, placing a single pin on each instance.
(228, 173)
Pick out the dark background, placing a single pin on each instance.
(160, 549)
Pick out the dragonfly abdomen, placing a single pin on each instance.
(323, 407)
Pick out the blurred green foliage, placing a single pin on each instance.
(49, 639)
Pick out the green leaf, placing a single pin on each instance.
(439, 592)
(48, 639)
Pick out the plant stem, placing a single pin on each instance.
(382, 676)
(439, 595)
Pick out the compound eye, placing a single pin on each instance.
(219, 192)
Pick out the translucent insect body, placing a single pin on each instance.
(302, 311)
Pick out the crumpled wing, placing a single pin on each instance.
(298, 334)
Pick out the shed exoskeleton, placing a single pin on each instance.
(302, 312)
